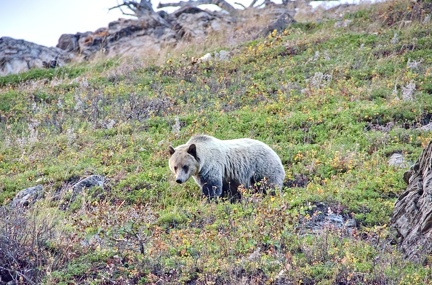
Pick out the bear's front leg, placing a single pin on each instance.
(212, 189)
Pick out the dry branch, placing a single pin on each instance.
(144, 7)
(220, 3)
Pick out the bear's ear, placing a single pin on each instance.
(171, 150)
(192, 151)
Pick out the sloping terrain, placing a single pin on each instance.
(335, 99)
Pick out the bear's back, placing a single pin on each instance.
(201, 139)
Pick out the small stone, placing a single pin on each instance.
(397, 160)
(351, 223)
(28, 196)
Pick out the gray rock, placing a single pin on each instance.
(69, 42)
(89, 182)
(398, 160)
(71, 190)
(342, 23)
(20, 55)
(148, 33)
(351, 223)
(426, 128)
(412, 215)
(335, 220)
(321, 217)
(200, 23)
(281, 23)
(28, 196)
(223, 55)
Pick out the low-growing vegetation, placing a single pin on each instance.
(334, 100)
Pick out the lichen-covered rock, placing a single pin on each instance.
(91, 181)
(20, 55)
(28, 196)
(321, 217)
(192, 22)
(398, 160)
(283, 19)
(148, 33)
(141, 37)
(412, 215)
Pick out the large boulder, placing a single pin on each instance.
(20, 55)
(194, 23)
(73, 189)
(283, 17)
(412, 215)
(88, 182)
(150, 32)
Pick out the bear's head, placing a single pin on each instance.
(183, 162)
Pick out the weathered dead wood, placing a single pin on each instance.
(143, 8)
(412, 215)
(220, 3)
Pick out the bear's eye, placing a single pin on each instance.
(185, 168)
(175, 168)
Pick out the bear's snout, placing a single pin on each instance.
(179, 181)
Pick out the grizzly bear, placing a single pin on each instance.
(219, 167)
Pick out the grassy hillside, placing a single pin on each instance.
(334, 99)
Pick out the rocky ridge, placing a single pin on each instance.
(137, 37)
(20, 55)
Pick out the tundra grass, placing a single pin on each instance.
(334, 103)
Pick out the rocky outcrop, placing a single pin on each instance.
(192, 22)
(20, 55)
(141, 37)
(124, 36)
(412, 215)
(136, 36)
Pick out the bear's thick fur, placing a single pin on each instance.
(219, 167)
